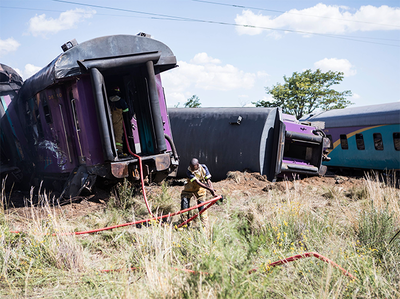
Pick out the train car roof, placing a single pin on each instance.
(225, 110)
(10, 80)
(359, 116)
(71, 62)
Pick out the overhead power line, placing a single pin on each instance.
(83, 12)
(292, 13)
(158, 18)
(185, 19)
(123, 9)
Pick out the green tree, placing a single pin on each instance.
(304, 92)
(193, 102)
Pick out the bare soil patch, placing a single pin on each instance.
(236, 184)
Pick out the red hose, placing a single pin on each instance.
(196, 215)
(213, 200)
(274, 264)
(141, 171)
(304, 255)
(146, 220)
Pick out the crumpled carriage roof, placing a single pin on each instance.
(66, 64)
(10, 80)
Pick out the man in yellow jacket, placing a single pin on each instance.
(198, 182)
(118, 107)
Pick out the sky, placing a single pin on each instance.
(227, 51)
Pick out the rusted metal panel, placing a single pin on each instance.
(123, 169)
(162, 162)
(120, 169)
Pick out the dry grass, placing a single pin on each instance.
(352, 226)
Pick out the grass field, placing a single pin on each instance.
(351, 226)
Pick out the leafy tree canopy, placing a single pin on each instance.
(304, 92)
(193, 102)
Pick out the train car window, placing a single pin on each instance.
(28, 114)
(343, 141)
(37, 120)
(73, 105)
(47, 112)
(4, 78)
(30, 128)
(396, 140)
(331, 141)
(378, 142)
(360, 142)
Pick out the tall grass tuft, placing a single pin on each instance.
(350, 225)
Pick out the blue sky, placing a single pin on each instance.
(225, 51)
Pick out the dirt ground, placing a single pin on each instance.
(235, 185)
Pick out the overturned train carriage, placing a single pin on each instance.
(257, 139)
(66, 113)
(12, 141)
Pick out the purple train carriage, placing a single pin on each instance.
(257, 139)
(65, 110)
(14, 153)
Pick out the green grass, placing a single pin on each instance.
(351, 227)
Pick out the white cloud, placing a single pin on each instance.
(262, 74)
(8, 45)
(355, 96)
(40, 25)
(205, 73)
(29, 70)
(322, 18)
(203, 58)
(337, 65)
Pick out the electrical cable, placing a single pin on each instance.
(292, 13)
(122, 9)
(178, 18)
(174, 18)
(78, 12)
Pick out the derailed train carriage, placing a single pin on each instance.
(364, 138)
(12, 142)
(262, 140)
(65, 111)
